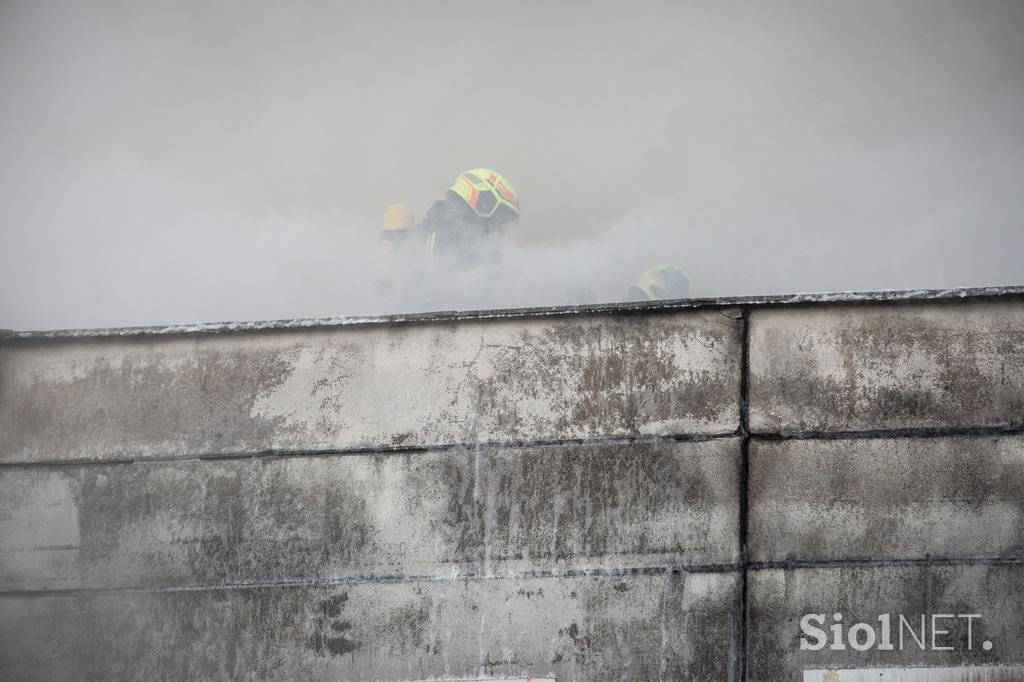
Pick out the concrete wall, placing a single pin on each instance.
(633, 492)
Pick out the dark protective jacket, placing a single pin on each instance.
(458, 238)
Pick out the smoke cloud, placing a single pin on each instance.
(182, 162)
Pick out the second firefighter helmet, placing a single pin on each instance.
(660, 282)
(396, 227)
(488, 193)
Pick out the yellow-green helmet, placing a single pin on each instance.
(488, 193)
(660, 282)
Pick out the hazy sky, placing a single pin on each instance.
(185, 162)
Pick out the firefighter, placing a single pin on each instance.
(396, 245)
(459, 241)
(660, 282)
(464, 230)
(396, 228)
(577, 295)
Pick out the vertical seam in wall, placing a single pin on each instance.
(744, 433)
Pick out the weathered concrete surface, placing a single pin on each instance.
(824, 500)
(650, 627)
(780, 598)
(190, 523)
(613, 559)
(495, 381)
(849, 368)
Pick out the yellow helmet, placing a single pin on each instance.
(396, 228)
(397, 217)
(488, 193)
(660, 282)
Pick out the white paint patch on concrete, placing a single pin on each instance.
(969, 674)
(47, 516)
(38, 529)
(490, 679)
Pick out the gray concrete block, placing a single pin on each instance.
(906, 498)
(187, 523)
(780, 599)
(851, 368)
(650, 627)
(358, 387)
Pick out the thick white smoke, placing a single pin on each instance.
(187, 163)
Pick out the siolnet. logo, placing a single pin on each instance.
(934, 632)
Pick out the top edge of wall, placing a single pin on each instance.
(641, 307)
